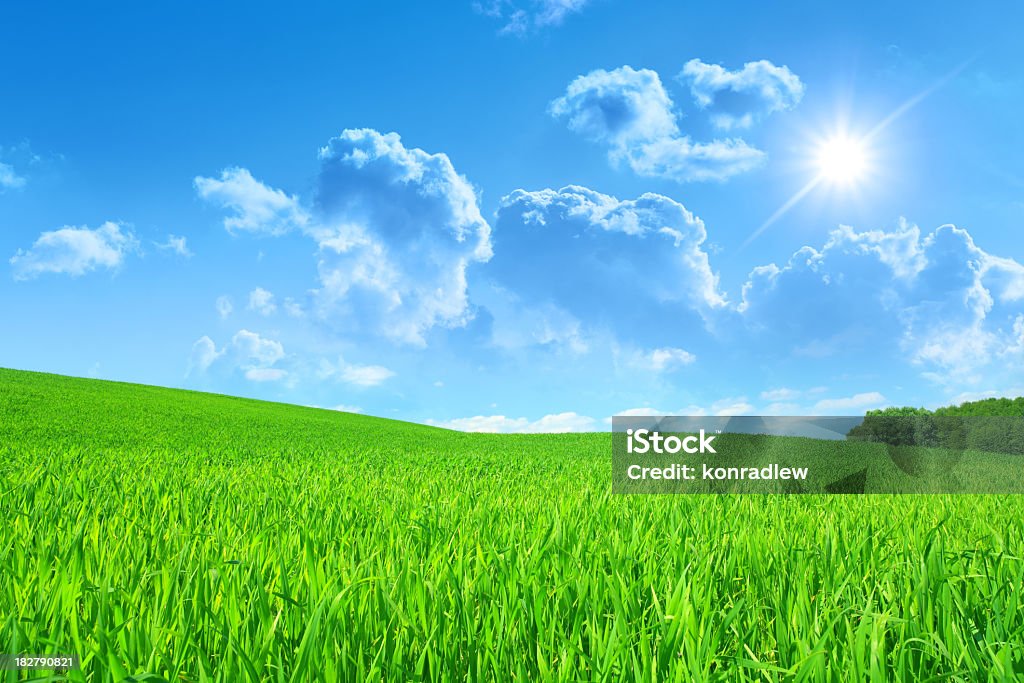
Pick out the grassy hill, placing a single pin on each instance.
(171, 535)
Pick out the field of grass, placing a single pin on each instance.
(170, 535)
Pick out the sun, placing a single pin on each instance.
(842, 160)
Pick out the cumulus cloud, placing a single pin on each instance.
(630, 112)
(175, 244)
(948, 304)
(635, 260)
(683, 160)
(356, 375)
(596, 240)
(257, 351)
(559, 423)
(263, 359)
(901, 250)
(396, 230)
(254, 207)
(247, 351)
(9, 179)
(520, 17)
(399, 229)
(204, 353)
(262, 302)
(621, 107)
(75, 251)
(737, 99)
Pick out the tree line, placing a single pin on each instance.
(994, 424)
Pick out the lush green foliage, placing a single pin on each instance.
(989, 425)
(1005, 407)
(199, 537)
(898, 411)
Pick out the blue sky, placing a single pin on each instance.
(521, 215)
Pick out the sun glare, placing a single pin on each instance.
(842, 160)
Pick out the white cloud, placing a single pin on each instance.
(396, 229)
(265, 374)
(262, 301)
(520, 17)
(959, 351)
(621, 107)
(400, 228)
(256, 207)
(517, 325)
(736, 99)
(638, 412)
(484, 423)
(365, 375)
(948, 303)
(292, 308)
(256, 351)
(902, 250)
(732, 406)
(722, 407)
(856, 403)
(175, 244)
(357, 375)
(663, 359)
(683, 160)
(9, 179)
(780, 394)
(204, 353)
(248, 351)
(629, 110)
(559, 423)
(342, 408)
(643, 259)
(554, 12)
(75, 251)
(1016, 345)
(224, 306)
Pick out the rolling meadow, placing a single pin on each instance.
(166, 535)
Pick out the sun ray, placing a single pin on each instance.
(782, 210)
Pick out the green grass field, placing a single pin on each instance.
(178, 536)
